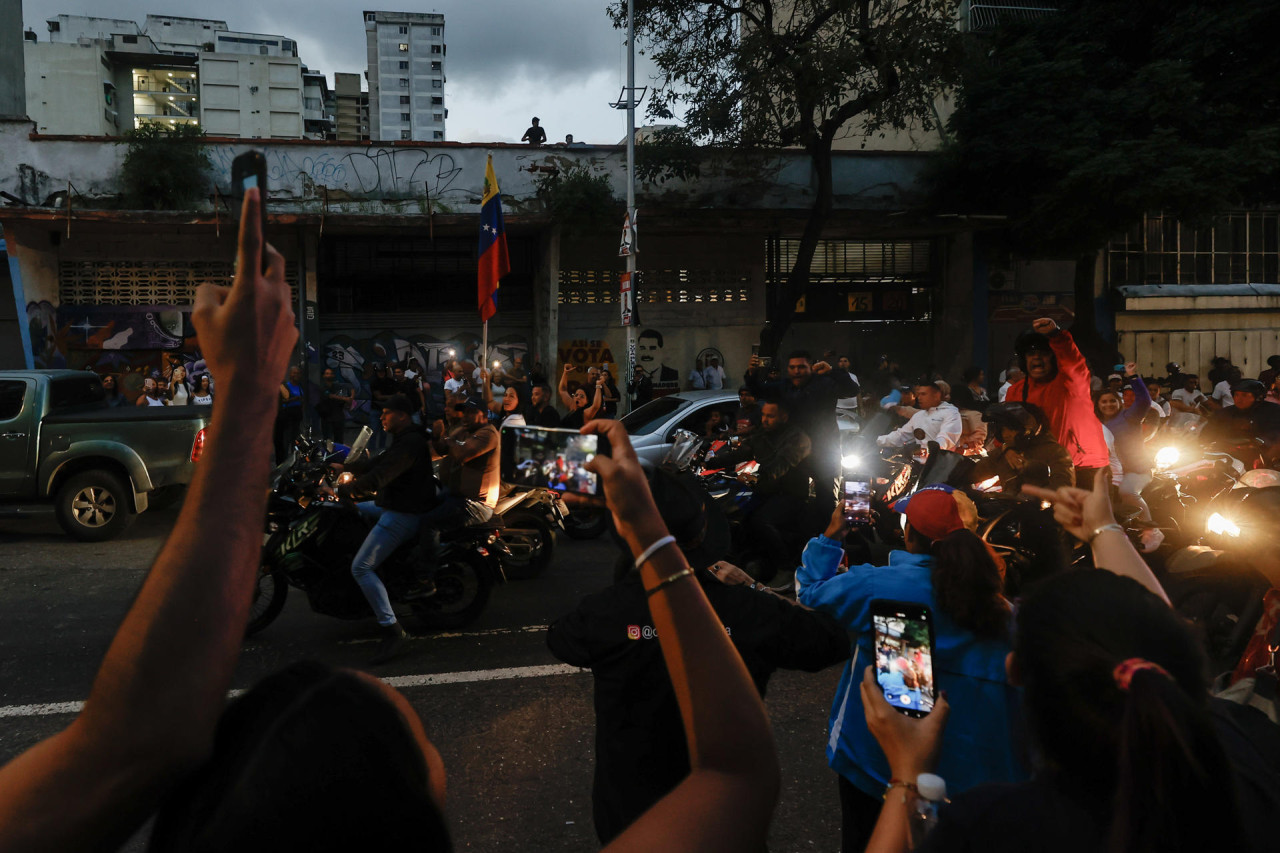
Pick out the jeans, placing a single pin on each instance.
(449, 514)
(392, 529)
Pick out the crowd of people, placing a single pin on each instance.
(1078, 717)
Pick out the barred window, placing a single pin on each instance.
(1242, 247)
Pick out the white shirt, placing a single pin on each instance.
(1188, 398)
(455, 385)
(1004, 391)
(1117, 469)
(1222, 393)
(697, 379)
(713, 377)
(942, 424)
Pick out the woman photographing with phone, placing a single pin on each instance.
(945, 571)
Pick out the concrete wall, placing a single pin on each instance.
(382, 178)
(250, 96)
(12, 87)
(65, 90)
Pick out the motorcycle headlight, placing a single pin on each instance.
(1220, 524)
(1167, 457)
(851, 461)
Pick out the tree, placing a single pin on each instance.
(165, 168)
(1076, 124)
(759, 73)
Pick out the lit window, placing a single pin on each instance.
(404, 48)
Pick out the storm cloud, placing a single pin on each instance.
(507, 59)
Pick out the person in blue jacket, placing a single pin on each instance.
(949, 569)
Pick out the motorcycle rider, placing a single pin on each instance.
(469, 471)
(1022, 451)
(403, 487)
(1252, 417)
(1057, 381)
(939, 420)
(781, 483)
(810, 393)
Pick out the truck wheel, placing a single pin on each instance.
(94, 506)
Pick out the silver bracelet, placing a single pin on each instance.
(653, 549)
(1098, 531)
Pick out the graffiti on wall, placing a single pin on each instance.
(380, 172)
(353, 358)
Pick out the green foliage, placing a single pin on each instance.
(794, 72)
(578, 198)
(1075, 124)
(165, 168)
(669, 153)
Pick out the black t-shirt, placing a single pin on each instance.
(386, 386)
(575, 419)
(640, 746)
(535, 135)
(548, 417)
(1042, 816)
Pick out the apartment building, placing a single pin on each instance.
(351, 110)
(103, 76)
(406, 75)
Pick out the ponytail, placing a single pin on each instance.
(1173, 778)
(968, 580)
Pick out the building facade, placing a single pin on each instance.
(406, 75)
(104, 76)
(351, 110)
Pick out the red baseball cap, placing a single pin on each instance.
(934, 512)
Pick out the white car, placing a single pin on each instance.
(652, 426)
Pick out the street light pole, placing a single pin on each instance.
(631, 199)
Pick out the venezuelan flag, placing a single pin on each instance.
(494, 262)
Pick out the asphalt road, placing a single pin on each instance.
(518, 750)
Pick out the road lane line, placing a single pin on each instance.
(425, 680)
(452, 635)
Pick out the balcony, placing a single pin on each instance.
(982, 17)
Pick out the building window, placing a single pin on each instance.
(404, 99)
(404, 31)
(404, 134)
(439, 134)
(437, 66)
(368, 16)
(404, 48)
(437, 116)
(1241, 247)
(405, 117)
(435, 48)
(435, 31)
(437, 84)
(437, 101)
(404, 82)
(404, 66)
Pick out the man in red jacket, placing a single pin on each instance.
(1057, 380)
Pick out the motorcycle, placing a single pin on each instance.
(530, 518)
(311, 537)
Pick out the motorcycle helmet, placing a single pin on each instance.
(1022, 418)
(1028, 341)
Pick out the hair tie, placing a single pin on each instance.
(1124, 671)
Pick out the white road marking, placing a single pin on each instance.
(401, 681)
(453, 635)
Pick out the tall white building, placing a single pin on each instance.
(406, 75)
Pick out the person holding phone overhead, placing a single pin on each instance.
(948, 569)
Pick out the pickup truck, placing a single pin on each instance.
(63, 448)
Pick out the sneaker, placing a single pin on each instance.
(1151, 539)
(393, 644)
(420, 589)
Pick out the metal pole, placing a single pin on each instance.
(631, 196)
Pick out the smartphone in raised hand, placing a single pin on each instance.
(904, 647)
(249, 170)
(541, 457)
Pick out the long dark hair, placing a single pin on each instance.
(1149, 751)
(968, 582)
(294, 760)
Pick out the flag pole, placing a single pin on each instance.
(484, 346)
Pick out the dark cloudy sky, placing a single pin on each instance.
(508, 59)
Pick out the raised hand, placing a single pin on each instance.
(1045, 326)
